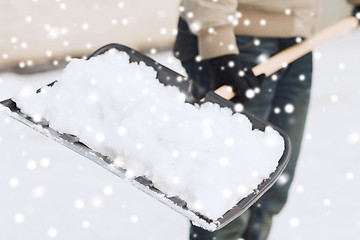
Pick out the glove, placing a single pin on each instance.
(228, 70)
(356, 12)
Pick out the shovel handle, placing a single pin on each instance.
(282, 59)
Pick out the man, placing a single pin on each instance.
(218, 42)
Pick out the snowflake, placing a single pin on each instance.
(308, 136)
(22, 65)
(317, 55)
(125, 22)
(121, 5)
(211, 30)
(226, 193)
(85, 26)
(257, 42)
(294, 222)
(52, 232)
(31, 165)
(195, 27)
(175, 153)
(229, 142)
(289, 108)
(283, 179)
(38, 192)
(79, 204)
(246, 22)
(231, 47)
(300, 189)
(342, 66)
(334, 98)
(207, 133)
(277, 110)
(63, 6)
(250, 93)
(238, 107)
(349, 175)
(327, 202)
(301, 77)
(262, 57)
(298, 40)
(153, 109)
(86, 224)
(163, 31)
(353, 138)
(96, 202)
(274, 77)
(262, 22)
(153, 51)
(284, 64)
(224, 162)
(100, 137)
(13, 39)
(134, 219)
(108, 190)
(14, 182)
(48, 53)
(28, 19)
(19, 218)
(176, 180)
(288, 11)
(29, 63)
(230, 18)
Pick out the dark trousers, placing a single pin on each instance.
(283, 101)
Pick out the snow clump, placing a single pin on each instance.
(206, 155)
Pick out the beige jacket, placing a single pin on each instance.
(216, 22)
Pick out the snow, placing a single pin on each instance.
(328, 171)
(123, 112)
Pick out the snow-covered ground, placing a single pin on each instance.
(48, 191)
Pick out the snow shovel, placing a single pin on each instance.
(169, 77)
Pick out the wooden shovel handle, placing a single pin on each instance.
(282, 59)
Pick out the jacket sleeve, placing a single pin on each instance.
(213, 22)
(354, 2)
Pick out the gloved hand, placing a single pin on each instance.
(228, 70)
(356, 12)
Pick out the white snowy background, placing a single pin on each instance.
(50, 192)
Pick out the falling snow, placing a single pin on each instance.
(289, 108)
(294, 222)
(14, 182)
(305, 208)
(52, 232)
